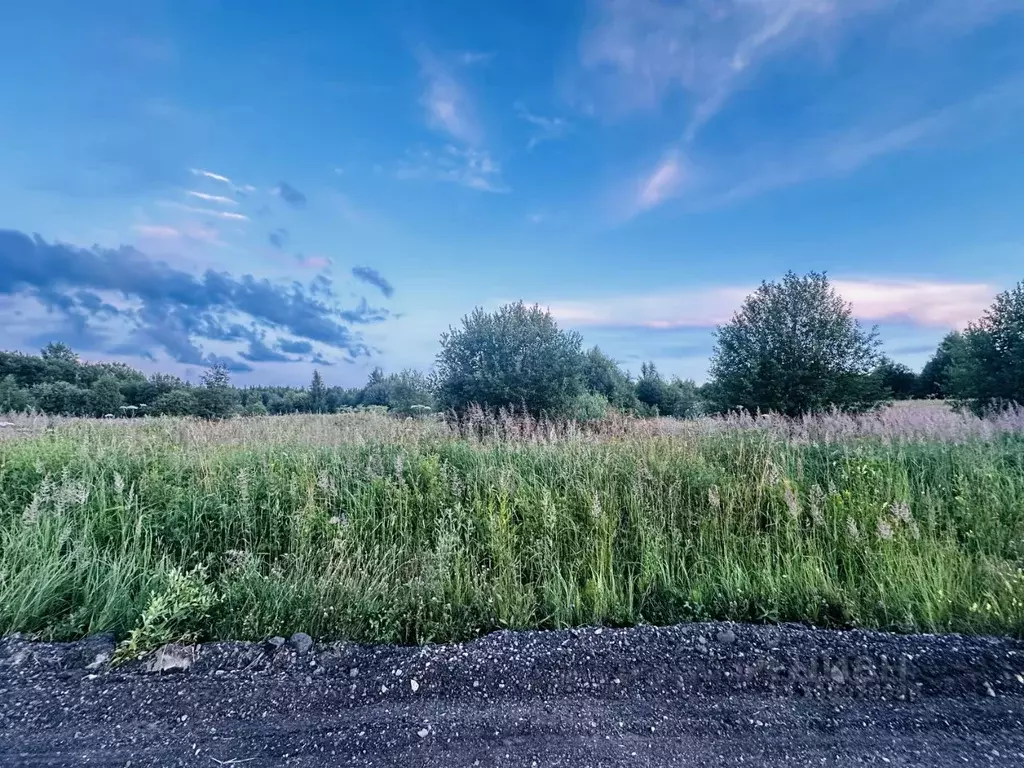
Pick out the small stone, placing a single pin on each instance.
(99, 660)
(837, 675)
(726, 637)
(988, 689)
(172, 657)
(423, 733)
(414, 685)
(301, 642)
(354, 672)
(273, 644)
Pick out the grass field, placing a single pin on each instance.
(366, 527)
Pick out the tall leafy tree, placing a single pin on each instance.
(794, 347)
(216, 398)
(934, 379)
(105, 396)
(602, 376)
(317, 393)
(514, 357)
(896, 379)
(987, 370)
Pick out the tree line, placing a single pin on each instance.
(793, 347)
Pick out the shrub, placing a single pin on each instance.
(516, 357)
(794, 347)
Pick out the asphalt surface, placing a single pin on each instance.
(699, 694)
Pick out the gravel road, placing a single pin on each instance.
(698, 694)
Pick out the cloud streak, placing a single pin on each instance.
(373, 277)
(922, 303)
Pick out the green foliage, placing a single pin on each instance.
(408, 393)
(177, 614)
(216, 399)
(589, 406)
(176, 402)
(60, 397)
(987, 370)
(105, 396)
(602, 376)
(317, 394)
(934, 379)
(513, 358)
(795, 348)
(896, 379)
(13, 399)
(365, 528)
(676, 398)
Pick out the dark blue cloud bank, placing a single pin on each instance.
(165, 308)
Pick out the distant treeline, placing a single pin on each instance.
(792, 348)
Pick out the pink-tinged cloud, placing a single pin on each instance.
(157, 232)
(315, 262)
(922, 303)
(661, 184)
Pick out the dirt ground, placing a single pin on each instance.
(699, 694)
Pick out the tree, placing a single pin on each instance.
(795, 348)
(12, 398)
(602, 376)
(60, 398)
(408, 392)
(676, 398)
(105, 396)
(515, 357)
(216, 399)
(175, 402)
(934, 378)
(896, 379)
(317, 393)
(987, 369)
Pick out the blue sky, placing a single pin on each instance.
(289, 186)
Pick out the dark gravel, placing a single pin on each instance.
(699, 694)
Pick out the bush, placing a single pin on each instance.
(987, 369)
(795, 348)
(513, 358)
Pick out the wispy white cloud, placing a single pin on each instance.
(468, 58)
(211, 175)
(468, 167)
(448, 106)
(212, 198)
(844, 152)
(920, 302)
(635, 53)
(663, 182)
(545, 128)
(205, 211)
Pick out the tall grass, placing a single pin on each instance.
(364, 527)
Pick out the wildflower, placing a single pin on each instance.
(816, 498)
(399, 466)
(901, 511)
(31, 513)
(884, 530)
(713, 497)
(792, 503)
(323, 481)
